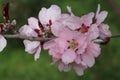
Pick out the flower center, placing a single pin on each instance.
(50, 23)
(73, 44)
(84, 28)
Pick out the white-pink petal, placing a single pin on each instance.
(49, 44)
(79, 69)
(3, 43)
(26, 30)
(93, 49)
(93, 32)
(88, 60)
(53, 13)
(87, 19)
(33, 23)
(104, 31)
(64, 67)
(100, 16)
(31, 46)
(37, 54)
(70, 11)
(68, 57)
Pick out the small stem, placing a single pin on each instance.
(115, 36)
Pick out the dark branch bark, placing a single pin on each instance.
(47, 39)
(27, 38)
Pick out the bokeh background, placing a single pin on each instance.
(16, 64)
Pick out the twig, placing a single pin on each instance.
(47, 39)
(27, 38)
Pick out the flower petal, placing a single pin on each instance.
(68, 57)
(100, 16)
(93, 49)
(70, 11)
(87, 19)
(64, 67)
(33, 22)
(79, 69)
(3, 43)
(27, 31)
(49, 44)
(104, 31)
(31, 46)
(89, 60)
(37, 54)
(53, 13)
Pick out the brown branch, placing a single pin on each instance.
(27, 38)
(47, 39)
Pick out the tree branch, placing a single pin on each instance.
(27, 38)
(47, 39)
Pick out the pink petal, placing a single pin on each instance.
(53, 13)
(93, 49)
(89, 60)
(57, 28)
(104, 31)
(55, 54)
(68, 57)
(64, 67)
(37, 54)
(33, 22)
(98, 9)
(49, 44)
(82, 44)
(78, 59)
(31, 46)
(79, 69)
(62, 43)
(70, 11)
(72, 22)
(87, 19)
(27, 31)
(3, 43)
(100, 16)
(93, 32)
(67, 34)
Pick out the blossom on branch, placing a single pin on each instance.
(72, 39)
(74, 46)
(32, 30)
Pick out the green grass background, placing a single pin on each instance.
(15, 64)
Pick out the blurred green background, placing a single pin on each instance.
(15, 64)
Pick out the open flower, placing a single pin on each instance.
(33, 47)
(32, 30)
(72, 50)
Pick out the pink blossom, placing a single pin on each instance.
(32, 30)
(33, 47)
(72, 49)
